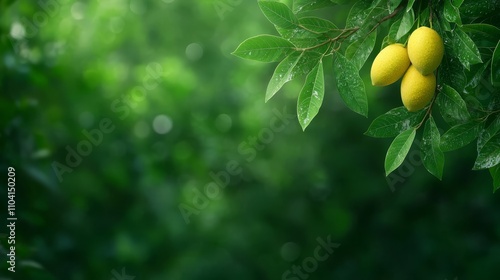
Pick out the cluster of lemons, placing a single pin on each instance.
(416, 64)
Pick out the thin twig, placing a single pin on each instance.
(387, 17)
(346, 32)
(340, 36)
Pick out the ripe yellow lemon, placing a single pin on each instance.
(389, 65)
(417, 90)
(425, 49)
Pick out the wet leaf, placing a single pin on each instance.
(398, 150)
(350, 85)
(311, 96)
(432, 156)
(264, 48)
(394, 122)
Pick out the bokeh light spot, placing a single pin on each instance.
(290, 251)
(223, 122)
(194, 51)
(17, 31)
(78, 10)
(162, 124)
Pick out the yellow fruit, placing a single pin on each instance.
(425, 49)
(389, 65)
(417, 90)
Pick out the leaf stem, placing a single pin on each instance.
(427, 113)
(488, 114)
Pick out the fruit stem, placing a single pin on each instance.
(427, 113)
(430, 13)
(429, 109)
(419, 7)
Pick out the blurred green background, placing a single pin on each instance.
(153, 85)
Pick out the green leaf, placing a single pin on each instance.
(375, 3)
(311, 96)
(279, 14)
(472, 10)
(309, 5)
(482, 32)
(451, 71)
(443, 24)
(475, 105)
(391, 35)
(364, 16)
(486, 134)
(495, 66)
(350, 85)
(487, 31)
(394, 122)
(284, 72)
(424, 15)
(451, 104)
(409, 5)
(309, 31)
(459, 136)
(489, 156)
(295, 64)
(393, 4)
(398, 150)
(301, 37)
(432, 156)
(475, 76)
(316, 24)
(495, 174)
(264, 48)
(406, 24)
(359, 51)
(358, 13)
(465, 49)
(451, 13)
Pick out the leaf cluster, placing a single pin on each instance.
(466, 107)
